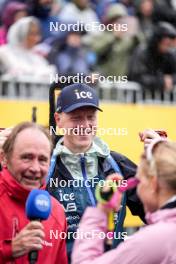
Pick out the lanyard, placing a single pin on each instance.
(121, 214)
(83, 168)
(51, 168)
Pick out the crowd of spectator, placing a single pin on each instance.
(113, 38)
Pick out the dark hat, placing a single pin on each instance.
(75, 96)
(165, 29)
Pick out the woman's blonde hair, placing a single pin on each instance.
(163, 163)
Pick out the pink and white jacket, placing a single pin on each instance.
(153, 244)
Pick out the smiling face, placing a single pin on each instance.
(29, 160)
(80, 125)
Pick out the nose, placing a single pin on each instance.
(85, 122)
(35, 166)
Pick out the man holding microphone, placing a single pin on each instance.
(26, 158)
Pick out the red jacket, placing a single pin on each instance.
(13, 219)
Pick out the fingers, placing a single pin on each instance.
(22, 246)
(148, 134)
(111, 189)
(35, 243)
(147, 142)
(111, 181)
(113, 204)
(4, 134)
(34, 225)
(29, 238)
(35, 233)
(114, 177)
(34, 229)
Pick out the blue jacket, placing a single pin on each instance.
(75, 198)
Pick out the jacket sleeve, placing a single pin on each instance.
(62, 252)
(128, 169)
(89, 248)
(5, 251)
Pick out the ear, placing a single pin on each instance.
(154, 184)
(57, 117)
(3, 159)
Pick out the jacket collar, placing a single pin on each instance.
(171, 203)
(14, 189)
(99, 148)
(72, 161)
(163, 214)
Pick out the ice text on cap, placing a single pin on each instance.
(83, 94)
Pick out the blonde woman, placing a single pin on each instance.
(154, 243)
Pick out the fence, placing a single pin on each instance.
(130, 92)
(24, 88)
